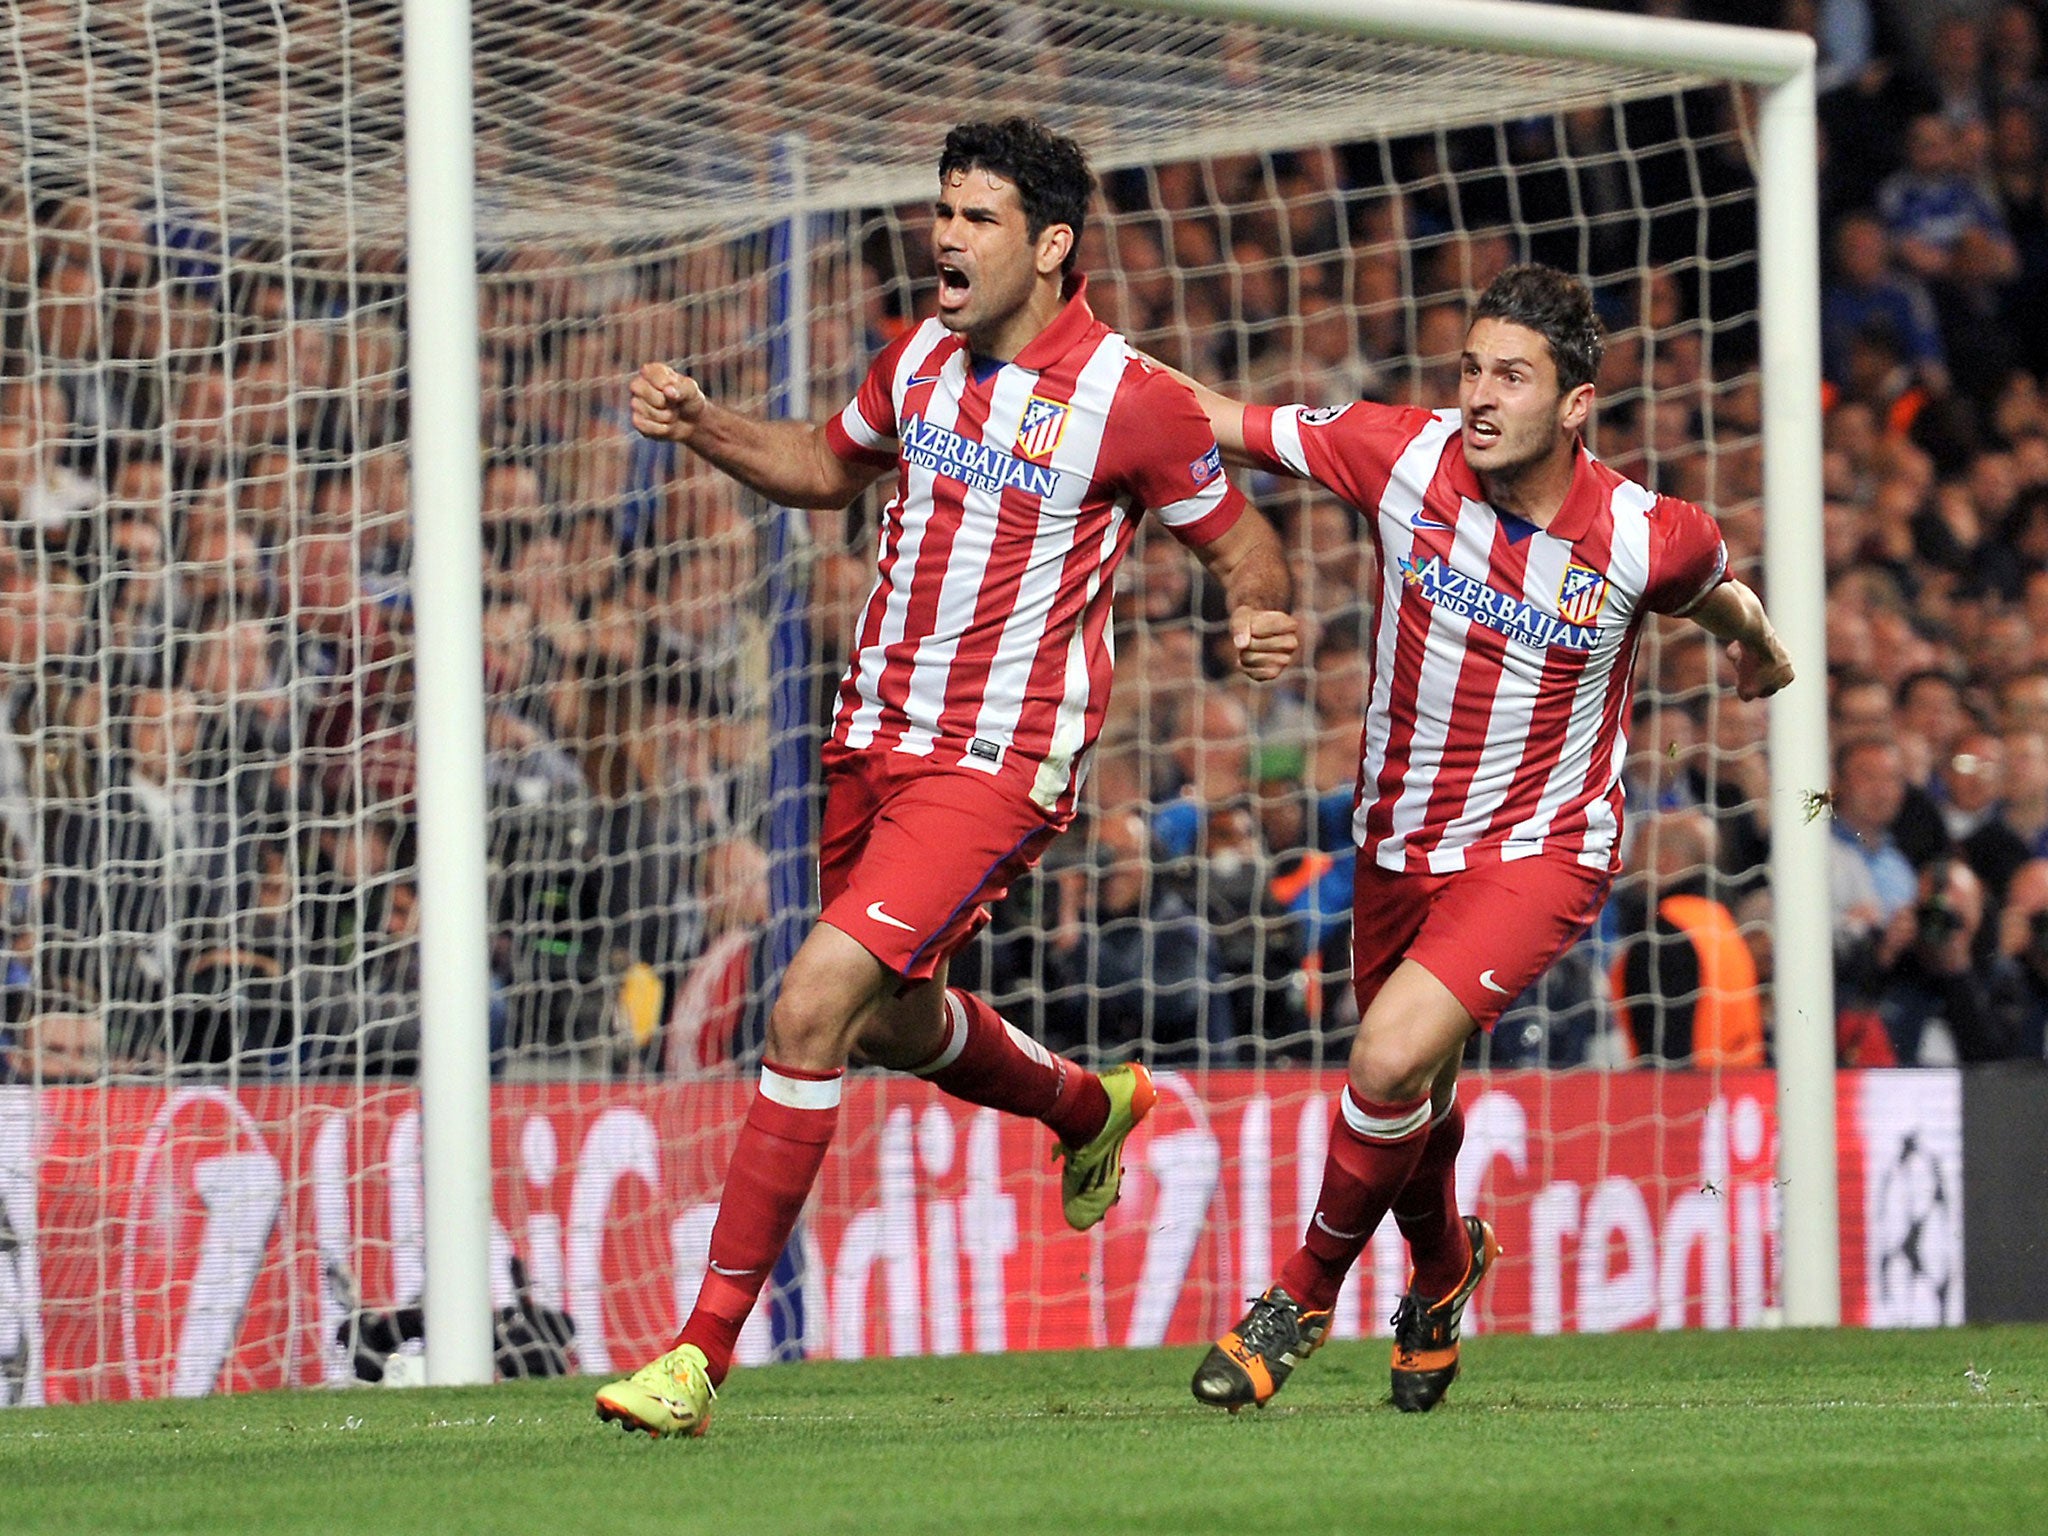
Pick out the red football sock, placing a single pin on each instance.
(1427, 1210)
(985, 1060)
(1373, 1150)
(781, 1147)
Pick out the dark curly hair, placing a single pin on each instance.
(1049, 171)
(1557, 307)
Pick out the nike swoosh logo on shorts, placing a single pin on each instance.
(875, 911)
(1486, 980)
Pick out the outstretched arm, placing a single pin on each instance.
(1733, 613)
(1250, 563)
(789, 462)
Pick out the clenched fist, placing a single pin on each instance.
(666, 404)
(1761, 668)
(1266, 641)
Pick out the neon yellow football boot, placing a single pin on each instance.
(1095, 1171)
(670, 1395)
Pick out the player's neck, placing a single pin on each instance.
(1014, 332)
(1533, 492)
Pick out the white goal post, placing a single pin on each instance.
(455, 1074)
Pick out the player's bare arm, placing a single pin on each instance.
(789, 462)
(1734, 613)
(1252, 566)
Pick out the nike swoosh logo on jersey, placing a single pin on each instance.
(875, 911)
(1486, 980)
(1419, 521)
(922, 378)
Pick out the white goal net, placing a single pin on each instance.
(209, 1135)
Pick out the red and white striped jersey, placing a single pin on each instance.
(1502, 653)
(985, 643)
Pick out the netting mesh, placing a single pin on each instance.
(612, 118)
(209, 772)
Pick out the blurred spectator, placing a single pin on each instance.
(1943, 227)
(1935, 998)
(1129, 967)
(23, 609)
(1871, 880)
(1867, 292)
(220, 564)
(1930, 721)
(2025, 807)
(597, 883)
(1685, 984)
(137, 603)
(1955, 72)
(272, 985)
(2015, 61)
(1310, 859)
(178, 872)
(1663, 744)
(720, 1011)
(1738, 797)
(2021, 975)
(62, 1040)
(1334, 572)
(1338, 690)
(1974, 812)
(41, 498)
(2023, 702)
(1845, 32)
(1211, 838)
(1859, 705)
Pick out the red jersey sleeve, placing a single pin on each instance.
(1688, 557)
(1349, 448)
(865, 432)
(1166, 455)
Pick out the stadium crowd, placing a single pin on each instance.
(207, 777)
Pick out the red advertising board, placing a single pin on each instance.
(177, 1242)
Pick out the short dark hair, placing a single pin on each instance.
(1856, 745)
(1913, 682)
(1049, 171)
(1557, 307)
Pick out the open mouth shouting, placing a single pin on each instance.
(955, 288)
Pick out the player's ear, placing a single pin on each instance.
(1576, 408)
(1054, 241)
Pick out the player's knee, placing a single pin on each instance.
(808, 1032)
(1389, 1068)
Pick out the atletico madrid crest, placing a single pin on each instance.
(1579, 599)
(1045, 422)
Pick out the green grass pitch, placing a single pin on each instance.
(1768, 1432)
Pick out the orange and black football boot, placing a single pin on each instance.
(1253, 1361)
(1426, 1332)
